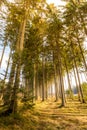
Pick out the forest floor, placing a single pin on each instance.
(48, 115)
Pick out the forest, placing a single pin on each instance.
(43, 85)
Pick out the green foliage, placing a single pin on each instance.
(27, 100)
(84, 88)
(16, 116)
(1, 85)
(67, 92)
(28, 105)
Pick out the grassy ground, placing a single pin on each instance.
(48, 116)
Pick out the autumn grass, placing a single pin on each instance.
(48, 116)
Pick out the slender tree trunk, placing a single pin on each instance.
(40, 90)
(80, 88)
(7, 96)
(43, 80)
(81, 92)
(82, 54)
(76, 84)
(7, 66)
(6, 76)
(36, 87)
(60, 75)
(51, 90)
(46, 84)
(55, 82)
(46, 79)
(69, 84)
(34, 83)
(26, 92)
(85, 76)
(62, 88)
(3, 51)
(13, 103)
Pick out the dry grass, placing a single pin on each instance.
(48, 116)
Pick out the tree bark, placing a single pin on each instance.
(55, 82)
(7, 66)
(76, 84)
(34, 83)
(13, 102)
(43, 79)
(80, 88)
(2, 55)
(60, 75)
(8, 93)
(68, 78)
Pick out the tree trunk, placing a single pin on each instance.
(68, 78)
(46, 79)
(55, 82)
(8, 93)
(7, 66)
(26, 92)
(60, 74)
(82, 54)
(76, 84)
(43, 79)
(80, 88)
(2, 55)
(13, 103)
(62, 88)
(34, 83)
(51, 90)
(81, 92)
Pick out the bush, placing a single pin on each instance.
(84, 88)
